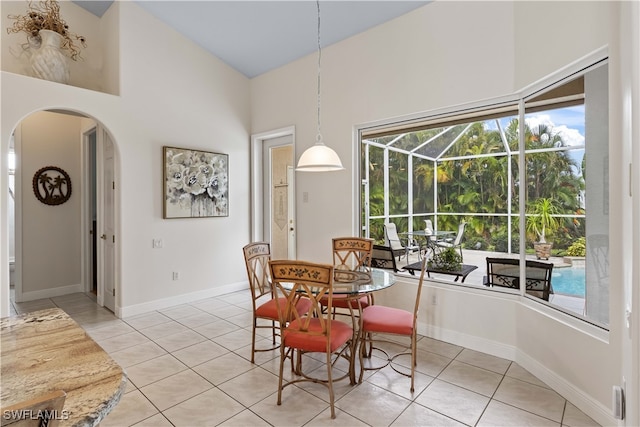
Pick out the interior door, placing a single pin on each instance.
(278, 196)
(106, 221)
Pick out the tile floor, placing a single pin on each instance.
(189, 365)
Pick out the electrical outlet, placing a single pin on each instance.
(434, 299)
(157, 243)
(176, 275)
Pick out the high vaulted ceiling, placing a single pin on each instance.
(257, 36)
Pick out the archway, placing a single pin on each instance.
(53, 251)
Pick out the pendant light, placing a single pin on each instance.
(319, 157)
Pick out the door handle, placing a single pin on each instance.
(103, 237)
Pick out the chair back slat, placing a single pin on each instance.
(299, 279)
(257, 256)
(352, 253)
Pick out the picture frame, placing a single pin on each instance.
(195, 183)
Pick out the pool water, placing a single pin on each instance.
(568, 281)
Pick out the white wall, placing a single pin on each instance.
(171, 93)
(86, 73)
(439, 56)
(50, 234)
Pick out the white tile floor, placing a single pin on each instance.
(190, 366)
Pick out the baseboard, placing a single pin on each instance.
(160, 304)
(50, 293)
(587, 404)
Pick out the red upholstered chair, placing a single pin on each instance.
(311, 331)
(378, 319)
(351, 253)
(257, 256)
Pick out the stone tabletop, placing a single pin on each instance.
(47, 350)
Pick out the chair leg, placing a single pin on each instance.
(330, 385)
(253, 341)
(414, 360)
(282, 358)
(273, 331)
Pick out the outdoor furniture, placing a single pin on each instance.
(454, 243)
(378, 321)
(505, 272)
(430, 239)
(463, 272)
(256, 257)
(393, 240)
(382, 257)
(311, 331)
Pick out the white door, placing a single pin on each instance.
(278, 196)
(106, 220)
(291, 253)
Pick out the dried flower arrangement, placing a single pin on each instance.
(45, 15)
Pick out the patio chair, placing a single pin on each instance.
(505, 272)
(392, 240)
(382, 257)
(454, 243)
(311, 331)
(257, 256)
(379, 321)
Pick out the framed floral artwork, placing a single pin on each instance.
(196, 183)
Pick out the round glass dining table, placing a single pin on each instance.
(357, 283)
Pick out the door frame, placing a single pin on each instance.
(87, 258)
(88, 194)
(257, 193)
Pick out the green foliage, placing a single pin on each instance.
(541, 219)
(479, 185)
(447, 259)
(578, 248)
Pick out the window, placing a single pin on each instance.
(469, 166)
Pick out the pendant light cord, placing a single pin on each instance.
(319, 135)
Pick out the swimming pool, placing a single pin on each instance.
(568, 281)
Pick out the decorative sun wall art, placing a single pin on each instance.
(196, 183)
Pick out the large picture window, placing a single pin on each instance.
(508, 181)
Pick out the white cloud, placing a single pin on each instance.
(571, 137)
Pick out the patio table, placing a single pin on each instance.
(463, 272)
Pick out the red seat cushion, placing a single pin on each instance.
(340, 334)
(378, 318)
(269, 310)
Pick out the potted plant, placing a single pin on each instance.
(540, 222)
(448, 259)
(49, 41)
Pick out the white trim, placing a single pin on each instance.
(257, 229)
(565, 72)
(162, 303)
(52, 292)
(586, 403)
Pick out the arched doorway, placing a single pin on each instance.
(54, 250)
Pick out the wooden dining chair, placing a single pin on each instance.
(257, 256)
(311, 331)
(351, 253)
(42, 411)
(378, 321)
